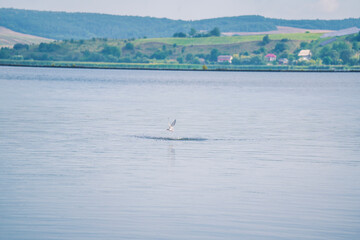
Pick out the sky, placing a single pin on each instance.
(200, 9)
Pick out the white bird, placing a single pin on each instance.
(171, 126)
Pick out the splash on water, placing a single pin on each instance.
(172, 138)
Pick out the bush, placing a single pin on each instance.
(111, 50)
(129, 46)
(357, 38)
(304, 45)
(180, 59)
(42, 56)
(160, 55)
(246, 53)
(20, 46)
(5, 53)
(284, 55)
(179, 35)
(346, 55)
(214, 55)
(280, 47)
(48, 47)
(355, 46)
(340, 46)
(215, 32)
(189, 57)
(256, 60)
(265, 40)
(93, 57)
(236, 61)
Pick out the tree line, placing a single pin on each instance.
(215, 32)
(62, 25)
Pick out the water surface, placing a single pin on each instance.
(84, 154)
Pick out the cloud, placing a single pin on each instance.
(329, 5)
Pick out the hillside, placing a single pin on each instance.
(246, 50)
(62, 25)
(9, 38)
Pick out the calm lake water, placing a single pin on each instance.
(84, 154)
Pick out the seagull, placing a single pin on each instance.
(171, 126)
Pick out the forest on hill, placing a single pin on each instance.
(62, 25)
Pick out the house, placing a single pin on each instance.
(283, 61)
(304, 55)
(270, 57)
(224, 58)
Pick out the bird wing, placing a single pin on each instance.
(173, 123)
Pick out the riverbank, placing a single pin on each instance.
(179, 67)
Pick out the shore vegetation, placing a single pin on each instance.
(196, 52)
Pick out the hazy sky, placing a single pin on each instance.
(200, 9)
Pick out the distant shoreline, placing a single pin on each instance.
(178, 67)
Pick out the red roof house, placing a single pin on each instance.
(270, 57)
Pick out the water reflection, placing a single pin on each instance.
(171, 154)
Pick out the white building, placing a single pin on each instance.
(304, 55)
(283, 61)
(224, 58)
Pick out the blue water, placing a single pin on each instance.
(84, 154)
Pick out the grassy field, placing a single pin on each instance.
(230, 40)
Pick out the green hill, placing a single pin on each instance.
(246, 50)
(62, 25)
